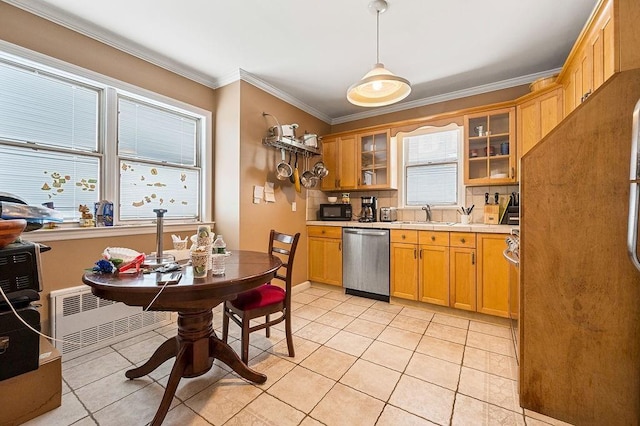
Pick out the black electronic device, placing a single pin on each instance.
(19, 346)
(20, 277)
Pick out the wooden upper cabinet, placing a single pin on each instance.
(339, 157)
(377, 160)
(490, 148)
(592, 60)
(537, 116)
(330, 160)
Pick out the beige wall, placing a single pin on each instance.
(257, 165)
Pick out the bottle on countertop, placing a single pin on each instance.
(219, 246)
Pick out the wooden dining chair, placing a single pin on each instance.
(265, 300)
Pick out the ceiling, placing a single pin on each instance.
(310, 52)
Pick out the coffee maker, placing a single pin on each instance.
(369, 209)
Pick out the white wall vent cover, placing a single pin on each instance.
(80, 317)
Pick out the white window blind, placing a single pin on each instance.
(158, 162)
(431, 168)
(48, 139)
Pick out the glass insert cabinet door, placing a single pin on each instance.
(374, 159)
(490, 147)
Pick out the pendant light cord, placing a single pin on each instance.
(377, 36)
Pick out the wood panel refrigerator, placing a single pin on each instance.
(580, 292)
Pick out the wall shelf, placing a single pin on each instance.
(289, 144)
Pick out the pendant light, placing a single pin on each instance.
(378, 87)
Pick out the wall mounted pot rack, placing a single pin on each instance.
(289, 144)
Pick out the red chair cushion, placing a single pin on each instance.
(264, 295)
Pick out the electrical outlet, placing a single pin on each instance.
(294, 206)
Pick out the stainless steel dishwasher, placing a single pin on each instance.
(365, 262)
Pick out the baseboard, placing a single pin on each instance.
(301, 287)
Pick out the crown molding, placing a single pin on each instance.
(53, 14)
(486, 88)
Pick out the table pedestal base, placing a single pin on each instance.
(195, 348)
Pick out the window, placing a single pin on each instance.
(431, 165)
(60, 142)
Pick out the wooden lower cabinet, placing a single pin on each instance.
(434, 274)
(404, 271)
(325, 254)
(462, 282)
(493, 276)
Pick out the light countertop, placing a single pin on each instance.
(421, 226)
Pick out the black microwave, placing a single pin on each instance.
(334, 212)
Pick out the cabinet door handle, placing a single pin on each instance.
(404, 236)
(358, 181)
(323, 231)
(513, 172)
(340, 246)
(473, 258)
(420, 253)
(462, 240)
(433, 238)
(415, 253)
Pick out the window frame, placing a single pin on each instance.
(402, 165)
(111, 89)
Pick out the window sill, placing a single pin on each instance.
(77, 233)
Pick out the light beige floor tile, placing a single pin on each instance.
(261, 341)
(303, 298)
(295, 306)
(303, 348)
(423, 399)
(183, 415)
(224, 399)
(387, 307)
(335, 319)
(137, 408)
(533, 417)
(469, 411)
(377, 316)
(267, 410)
(351, 343)
(434, 370)
(142, 350)
(361, 301)
(99, 394)
(349, 309)
(301, 388)
(191, 386)
(337, 295)
(329, 362)
(451, 320)
(173, 327)
(315, 291)
(69, 412)
(317, 332)
(346, 406)
(492, 329)
(274, 367)
(404, 322)
(365, 328)
(489, 343)
(372, 379)
(310, 312)
(442, 349)
(309, 421)
(403, 338)
(417, 313)
(65, 388)
(236, 345)
(95, 369)
(447, 332)
(134, 340)
(296, 324)
(87, 421)
(490, 362)
(387, 355)
(393, 416)
(86, 358)
(325, 303)
(162, 370)
(489, 388)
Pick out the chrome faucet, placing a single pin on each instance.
(427, 209)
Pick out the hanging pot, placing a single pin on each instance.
(320, 170)
(308, 178)
(283, 170)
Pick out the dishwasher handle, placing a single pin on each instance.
(372, 232)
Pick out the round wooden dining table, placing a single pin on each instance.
(196, 345)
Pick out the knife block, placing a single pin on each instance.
(492, 214)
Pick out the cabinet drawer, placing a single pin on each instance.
(404, 236)
(462, 239)
(325, 231)
(434, 238)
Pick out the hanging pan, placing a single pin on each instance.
(283, 170)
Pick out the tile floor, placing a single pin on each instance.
(358, 362)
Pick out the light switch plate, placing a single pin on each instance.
(294, 206)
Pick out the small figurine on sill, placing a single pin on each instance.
(86, 220)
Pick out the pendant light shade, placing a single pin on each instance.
(378, 87)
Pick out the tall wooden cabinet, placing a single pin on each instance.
(536, 115)
(490, 148)
(325, 254)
